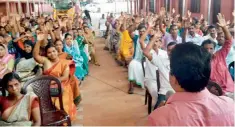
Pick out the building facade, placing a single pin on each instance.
(29, 7)
(209, 8)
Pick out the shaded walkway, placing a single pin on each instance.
(105, 99)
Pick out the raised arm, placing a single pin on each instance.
(38, 58)
(143, 37)
(228, 43)
(150, 46)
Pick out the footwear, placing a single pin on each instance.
(131, 91)
(106, 48)
(97, 64)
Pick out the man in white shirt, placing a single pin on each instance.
(212, 34)
(171, 37)
(192, 36)
(102, 26)
(150, 73)
(163, 65)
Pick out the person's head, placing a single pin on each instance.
(209, 45)
(68, 39)
(190, 68)
(212, 31)
(197, 25)
(86, 29)
(2, 30)
(157, 27)
(28, 46)
(191, 30)
(75, 32)
(59, 45)
(2, 50)
(80, 32)
(174, 30)
(170, 47)
(141, 28)
(11, 83)
(103, 16)
(23, 38)
(157, 44)
(51, 52)
(28, 31)
(220, 38)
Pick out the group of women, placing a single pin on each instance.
(36, 46)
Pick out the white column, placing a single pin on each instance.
(27, 7)
(19, 7)
(183, 11)
(8, 8)
(127, 6)
(209, 12)
(166, 5)
(115, 6)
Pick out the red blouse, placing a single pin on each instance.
(4, 104)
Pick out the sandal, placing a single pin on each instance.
(131, 91)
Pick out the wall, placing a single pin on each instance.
(3, 8)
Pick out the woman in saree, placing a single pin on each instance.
(74, 82)
(26, 67)
(6, 61)
(91, 46)
(59, 68)
(81, 40)
(71, 47)
(126, 49)
(16, 108)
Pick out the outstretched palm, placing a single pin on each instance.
(151, 22)
(221, 20)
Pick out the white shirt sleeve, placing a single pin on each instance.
(160, 63)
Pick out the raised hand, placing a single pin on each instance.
(151, 22)
(40, 36)
(189, 13)
(18, 18)
(173, 11)
(202, 17)
(221, 20)
(162, 12)
(158, 34)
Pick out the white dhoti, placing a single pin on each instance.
(135, 73)
(152, 88)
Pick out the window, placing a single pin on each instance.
(152, 6)
(195, 6)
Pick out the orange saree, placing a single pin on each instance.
(74, 82)
(67, 95)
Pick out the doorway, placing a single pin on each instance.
(216, 6)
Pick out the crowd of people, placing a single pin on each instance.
(187, 52)
(34, 46)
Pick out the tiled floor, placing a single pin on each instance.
(105, 99)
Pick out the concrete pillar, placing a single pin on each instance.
(209, 11)
(127, 1)
(184, 8)
(19, 7)
(27, 6)
(147, 6)
(8, 8)
(131, 6)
